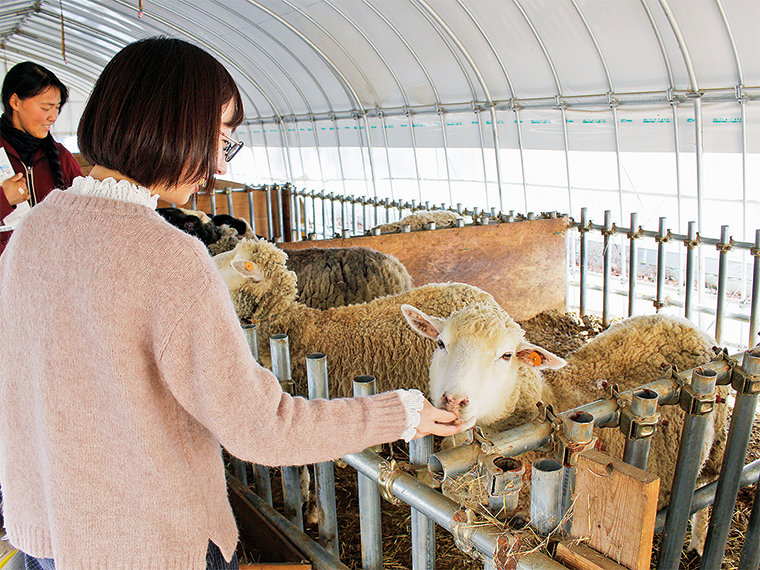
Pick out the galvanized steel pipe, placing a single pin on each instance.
(754, 315)
(316, 374)
(546, 495)
(251, 209)
(691, 244)
(423, 528)
(739, 433)
(636, 451)
(687, 469)
(583, 230)
(270, 217)
(661, 238)
(370, 524)
(607, 267)
(633, 263)
(481, 537)
(318, 556)
(291, 476)
(720, 308)
(705, 495)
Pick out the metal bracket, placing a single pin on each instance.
(567, 451)
(637, 427)
(635, 235)
(696, 404)
(462, 529)
(725, 247)
(692, 243)
(609, 232)
(744, 383)
(663, 239)
(389, 471)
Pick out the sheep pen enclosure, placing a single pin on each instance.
(585, 271)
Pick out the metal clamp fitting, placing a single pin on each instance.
(696, 404)
(663, 239)
(462, 530)
(389, 471)
(725, 247)
(637, 427)
(567, 451)
(744, 383)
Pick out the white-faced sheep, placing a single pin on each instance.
(465, 374)
(370, 338)
(420, 220)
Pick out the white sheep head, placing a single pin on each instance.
(258, 281)
(481, 360)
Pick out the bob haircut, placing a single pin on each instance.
(28, 79)
(155, 112)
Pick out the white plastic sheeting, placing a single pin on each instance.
(530, 105)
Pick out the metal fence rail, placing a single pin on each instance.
(494, 545)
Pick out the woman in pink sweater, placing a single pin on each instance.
(115, 392)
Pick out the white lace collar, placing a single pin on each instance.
(109, 188)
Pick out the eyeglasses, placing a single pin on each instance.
(231, 147)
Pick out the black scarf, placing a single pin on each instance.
(25, 144)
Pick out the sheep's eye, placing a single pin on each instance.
(506, 356)
(441, 345)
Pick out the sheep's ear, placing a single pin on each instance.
(538, 357)
(248, 269)
(429, 327)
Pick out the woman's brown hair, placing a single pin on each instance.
(155, 111)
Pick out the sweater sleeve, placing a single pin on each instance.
(208, 367)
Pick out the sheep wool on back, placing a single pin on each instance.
(124, 369)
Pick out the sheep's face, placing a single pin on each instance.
(476, 368)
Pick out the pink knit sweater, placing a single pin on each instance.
(123, 369)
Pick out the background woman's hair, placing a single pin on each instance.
(155, 111)
(28, 79)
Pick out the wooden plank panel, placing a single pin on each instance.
(522, 264)
(581, 557)
(614, 508)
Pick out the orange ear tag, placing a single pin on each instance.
(535, 358)
(249, 266)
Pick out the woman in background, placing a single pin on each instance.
(32, 99)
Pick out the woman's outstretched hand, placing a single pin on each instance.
(436, 421)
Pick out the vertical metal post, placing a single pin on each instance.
(230, 205)
(583, 230)
(751, 551)
(754, 316)
(370, 523)
(270, 216)
(280, 217)
(291, 476)
(212, 201)
(316, 374)
(324, 216)
(251, 209)
(695, 399)
(723, 247)
(633, 262)
(546, 495)
(262, 482)
(578, 429)
(607, 268)
(742, 417)
(662, 239)
(423, 528)
(643, 410)
(690, 270)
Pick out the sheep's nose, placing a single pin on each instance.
(454, 404)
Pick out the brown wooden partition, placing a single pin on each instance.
(522, 264)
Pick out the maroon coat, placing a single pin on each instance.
(41, 183)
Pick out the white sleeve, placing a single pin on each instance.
(413, 401)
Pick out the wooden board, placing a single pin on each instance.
(522, 264)
(614, 508)
(581, 557)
